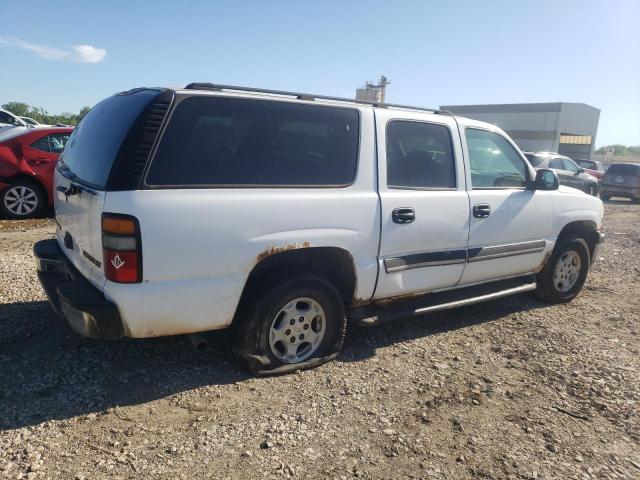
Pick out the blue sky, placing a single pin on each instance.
(434, 52)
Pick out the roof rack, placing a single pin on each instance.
(304, 96)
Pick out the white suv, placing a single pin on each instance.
(282, 215)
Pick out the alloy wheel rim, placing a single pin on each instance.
(567, 271)
(20, 200)
(297, 330)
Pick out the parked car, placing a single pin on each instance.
(27, 163)
(569, 173)
(10, 124)
(592, 167)
(30, 121)
(622, 180)
(281, 215)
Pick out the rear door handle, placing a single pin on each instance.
(403, 215)
(481, 210)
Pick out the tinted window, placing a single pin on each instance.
(7, 118)
(419, 155)
(494, 161)
(51, 143)
(556, 163)
(534, 160)
(623, 169)
(42, 144)
(230, 141)
(93, 145)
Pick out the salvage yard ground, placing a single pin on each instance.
(509, 389)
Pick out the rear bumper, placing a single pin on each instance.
(72, 297)
(618, 191)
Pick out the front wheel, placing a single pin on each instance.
(592, 190)
(563, 276)
(298, 323)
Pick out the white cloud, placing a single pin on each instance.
(77, 53)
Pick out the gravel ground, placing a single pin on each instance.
(509, 389)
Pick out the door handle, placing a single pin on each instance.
(481, 210)
(403, 215)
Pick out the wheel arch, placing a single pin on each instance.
(331, 263)
(586, 229)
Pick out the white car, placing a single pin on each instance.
(11, 124)
(281, 215)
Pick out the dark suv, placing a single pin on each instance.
(569, 173)
(622, 180)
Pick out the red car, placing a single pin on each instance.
(27, 163)
(592, 167)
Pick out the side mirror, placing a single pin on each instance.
(581, 170)
(546, 180)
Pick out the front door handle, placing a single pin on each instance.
(481, 210)
(403, 215)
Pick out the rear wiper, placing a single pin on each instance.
(74, 189)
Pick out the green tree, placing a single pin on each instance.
(17, 108)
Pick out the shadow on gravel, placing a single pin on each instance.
(362, 342)
(48, 372)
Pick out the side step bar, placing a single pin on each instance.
(380, 313)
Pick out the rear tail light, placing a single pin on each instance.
(121, 248)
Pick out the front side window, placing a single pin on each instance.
(240, 142)
(42, 144)
(494, 161)
(419, 155)
(53, 143)
(570, 165)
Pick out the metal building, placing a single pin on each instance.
(567, 128)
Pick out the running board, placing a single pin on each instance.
(380, 313)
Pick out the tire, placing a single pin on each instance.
(21, 200)
(592, 190)
(604, 198)
(260, 324)
(566, 287)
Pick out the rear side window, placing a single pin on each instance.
(238, 142)
(534, 160)
(623, 169)
(419, 155)
(95, 142)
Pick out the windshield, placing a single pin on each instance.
(95, 142)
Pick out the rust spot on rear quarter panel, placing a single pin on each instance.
(281, 248)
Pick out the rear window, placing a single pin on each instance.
(623, 169)
(238, 142)
(94, 144)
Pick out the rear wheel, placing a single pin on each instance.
(22, 199)
(566, 271)
(298, 323)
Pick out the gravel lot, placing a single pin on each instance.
(509, 389)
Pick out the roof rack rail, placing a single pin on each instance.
(304, 96)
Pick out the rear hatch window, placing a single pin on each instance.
(97, 140)
(624, 170)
